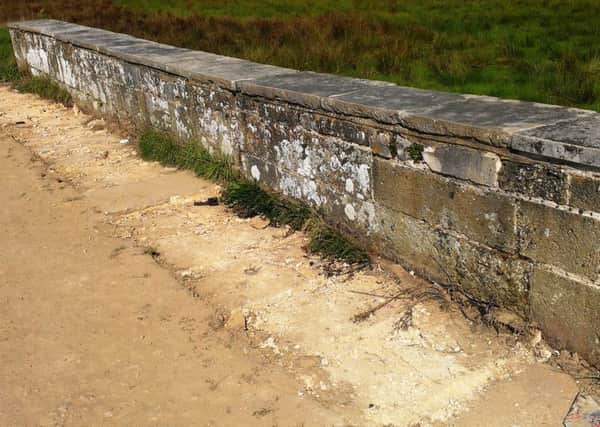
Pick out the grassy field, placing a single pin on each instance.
(538, 50)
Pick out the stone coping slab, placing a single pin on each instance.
(556, 133)
(576, 141)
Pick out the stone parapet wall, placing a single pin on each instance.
(500, 198)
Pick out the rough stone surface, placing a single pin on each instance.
(567, 312)
(334, 126)
(305, 88)
(487, 217)
(222, 70)
(585, 191)
(47, 27)
(480, 167)
(373, 96)
(330, 174)
(561, 238)
(490, 120)
(576, 141)
(534, 180)
(484, 273)
(381, 146)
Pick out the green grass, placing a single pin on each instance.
(44, 87)
(158, 146)
(535, 50)
(238, 9)
(8, 66)
(538, 50)
(329, 243)
(415, 152)
(247, 199)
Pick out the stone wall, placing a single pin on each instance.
(500, 198)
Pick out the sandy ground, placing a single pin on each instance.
(122, 303)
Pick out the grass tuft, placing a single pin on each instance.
(247, 199)
(8, 65)
(329, 243)
(45, 88)
(158, 146)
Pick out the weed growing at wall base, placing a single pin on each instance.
(160, 147)
(247, 199)
(415, 152)
(8, 65)
(326, 241)
(44, 87)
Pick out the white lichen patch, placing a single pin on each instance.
(350, 212)
(349, 186)
(255, 172)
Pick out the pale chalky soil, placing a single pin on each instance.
(229, 323)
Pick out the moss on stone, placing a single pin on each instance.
(415, 152)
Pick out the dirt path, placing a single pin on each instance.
(121, 303)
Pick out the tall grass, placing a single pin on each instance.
(538, 50)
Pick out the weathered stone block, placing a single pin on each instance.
(487, 274)
(19, 49)
(273, 114)
(381, 145)
(38, 51)
(489, 120)
(224, 71)
(567, 311)
(585, 191)
(331, 126)
(343, 166)
(480, 167)
(486, 217)
(48, 27)
(304, 88)
(576, 140)
(342, 208)
(534, 180)
(558, 237)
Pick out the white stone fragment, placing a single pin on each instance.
(480, 167)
